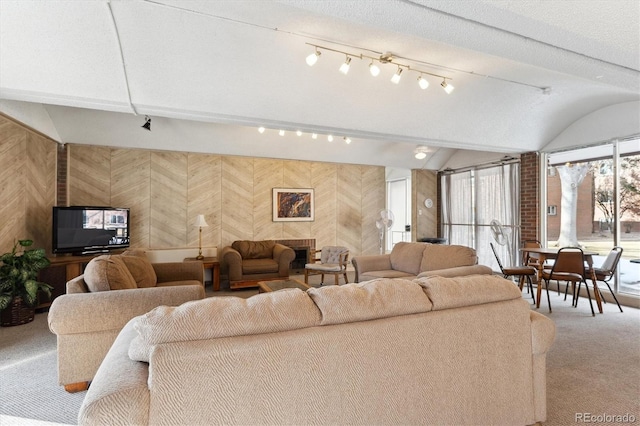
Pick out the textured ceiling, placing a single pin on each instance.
(210, 72)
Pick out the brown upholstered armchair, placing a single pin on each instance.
(247, 262)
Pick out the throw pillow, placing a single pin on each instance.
(108, 272)
(140, 268)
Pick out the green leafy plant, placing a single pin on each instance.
(19, 274)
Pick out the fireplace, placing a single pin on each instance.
(301, 248)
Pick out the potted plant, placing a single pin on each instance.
(19, 285)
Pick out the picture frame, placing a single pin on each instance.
(293, 205)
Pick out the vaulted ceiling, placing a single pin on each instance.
(209, 73)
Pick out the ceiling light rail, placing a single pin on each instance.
(282, 132)
(374, 69)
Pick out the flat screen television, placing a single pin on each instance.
(90, 230)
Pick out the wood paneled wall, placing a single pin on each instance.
(27, 185)
(424, 185)
(167, 190)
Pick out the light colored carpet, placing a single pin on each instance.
(593, 367)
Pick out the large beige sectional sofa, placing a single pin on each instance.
(464, 350)
(416, 260)
(98, 303)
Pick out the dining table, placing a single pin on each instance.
(544, 253)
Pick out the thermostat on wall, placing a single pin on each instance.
(428, 203)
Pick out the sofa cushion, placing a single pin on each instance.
(254, 249)
(108, 272)
(457, 292)
(140, 268)
(369, 300)
(259, 266)
(389, 273)
(440, 256)
(217, 317)
(406, 257)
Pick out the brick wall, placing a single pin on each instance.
(529, 193)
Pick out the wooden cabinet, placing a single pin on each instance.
(61, 270)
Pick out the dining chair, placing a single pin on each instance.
(606, 272)
(517, 271)
(331, 260)
(569, 267)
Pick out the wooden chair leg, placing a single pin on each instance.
(306, 276)
(346, 280)
(76, 387)
(337, 279)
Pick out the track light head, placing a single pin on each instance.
(298, 133)
(281, 132)
(446, 86)
(422, 83)
(330, 138)
(147, 123)
(374, 69)
(396, 77)
(344, 68)
(314, 136)
(261, 129)
(313, 58)
(347, 140)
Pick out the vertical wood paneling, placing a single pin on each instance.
(267, 174)
(237, 199)
(324, 180)
(349, 195)
(40, 189)
(296, 174)
(168, 224)
(12, 189)
(130, 187)
(424, 185)
(373, 201)
(204, 196)
(89, 175)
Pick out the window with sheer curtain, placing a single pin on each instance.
(472, 200)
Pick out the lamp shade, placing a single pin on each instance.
(200, 222)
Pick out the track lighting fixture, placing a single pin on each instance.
(344, 68)
(330, 138)
(396, 77)
(147, 123)
(374, 69)
(314, 136)
(298, 133)
(313, 58)
(261, 129)
(422, 82)
(446, 86)
(347, 140)
(281, 132)
(421, 152)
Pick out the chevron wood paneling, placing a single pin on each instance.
(267, 174)
(373, 200)
(204, 196)
(324, 180)
(12, 189)
(89, 175)
(168, 218)
(349, 227)
(40, 188)
(424, 185)
(237, 199)
(131, 187)
(296, 174)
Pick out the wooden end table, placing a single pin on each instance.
(209, 263)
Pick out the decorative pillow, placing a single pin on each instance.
(217, 317)
(108, 272)
(254, 249)
(140, 268)
(449, 293)
(369, 300)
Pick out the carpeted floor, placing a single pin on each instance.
(593, 368)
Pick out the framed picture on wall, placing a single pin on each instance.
(293, 205)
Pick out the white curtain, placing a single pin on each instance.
(472, 200)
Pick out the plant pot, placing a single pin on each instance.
(17, 313)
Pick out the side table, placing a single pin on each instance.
(210, 263)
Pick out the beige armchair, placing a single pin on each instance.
(247, 262)
(100, 302)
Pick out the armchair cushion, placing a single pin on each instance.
(254, 249)
(108, 272)
(259, 266)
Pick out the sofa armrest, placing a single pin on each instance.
(77, 285)
(111, 310)
(231, 263)
(379, 262)
(284, 255)
(543, 333)
(179, 271)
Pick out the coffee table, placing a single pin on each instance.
(275, 285)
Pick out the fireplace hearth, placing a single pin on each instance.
(301, 247)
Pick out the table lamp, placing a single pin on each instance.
(200, 223)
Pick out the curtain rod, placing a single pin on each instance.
(504, 161)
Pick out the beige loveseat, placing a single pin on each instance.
(464, 350)
(113, 289)
(416, 260)
(245, 263)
